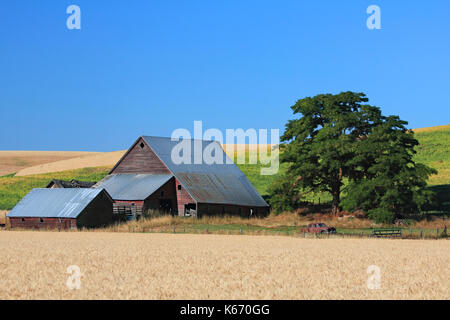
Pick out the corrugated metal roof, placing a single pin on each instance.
(54, 203)
(132, 186)
(221, 182)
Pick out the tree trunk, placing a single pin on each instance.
(335, 202)
(336, 193)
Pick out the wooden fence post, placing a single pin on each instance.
(421, 233)
(437, 233)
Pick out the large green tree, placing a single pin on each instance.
(321, 144)
(330, 144)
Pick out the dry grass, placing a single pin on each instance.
(14, 161)
(286, 219)
(3, 217)
(429, 129)
(98, 159)
(164, 266)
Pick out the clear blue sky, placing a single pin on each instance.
(149, 67)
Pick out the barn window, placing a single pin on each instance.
(23, 219)
(162, 193)
(179, 187)
(142, 145)
(41, 220)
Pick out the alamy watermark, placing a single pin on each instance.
(74, 20)
(374, 280)
(74, 280)
(192, 149)
(374, 20)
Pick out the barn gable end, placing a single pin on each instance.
(140, 158)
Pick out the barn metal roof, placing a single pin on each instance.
(221, 182)
(54, 203)
(132, 186)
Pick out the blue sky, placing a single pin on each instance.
(149, 67)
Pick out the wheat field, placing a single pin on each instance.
(33, 265)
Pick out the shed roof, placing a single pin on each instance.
(221, 182)
(54, 203)
(132, 186)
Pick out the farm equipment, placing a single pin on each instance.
(387, 233)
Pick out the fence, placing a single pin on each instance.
(192, 229)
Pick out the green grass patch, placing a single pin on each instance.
(12, 188)
(434, 151)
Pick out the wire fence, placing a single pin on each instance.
(416, 234)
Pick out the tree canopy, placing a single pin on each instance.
(342, 140)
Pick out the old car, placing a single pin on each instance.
(319, 228)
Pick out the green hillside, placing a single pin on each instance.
(434, 150)
(12, 189)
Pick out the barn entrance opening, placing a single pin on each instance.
(190, 210)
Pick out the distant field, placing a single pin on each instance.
(14, 161)
(98, 159)
(168, 266)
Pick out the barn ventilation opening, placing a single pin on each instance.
(142, 145)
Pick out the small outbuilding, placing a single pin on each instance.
(72, 208)
(54, 184)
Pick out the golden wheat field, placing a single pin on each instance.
(33, 265)
(14, 161)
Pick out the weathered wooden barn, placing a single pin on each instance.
(63, 209)
(69, 184)
(190, 188)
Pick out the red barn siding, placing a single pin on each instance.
(183, 198)
(165, 192)
(47, 223)
(140, 160)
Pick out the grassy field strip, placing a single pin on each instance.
(168, 266)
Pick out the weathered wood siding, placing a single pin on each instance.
(44, 224)
(141, 160)
(136, 207)
(183, 198)
(165, 192)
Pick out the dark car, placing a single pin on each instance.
(319, 228)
